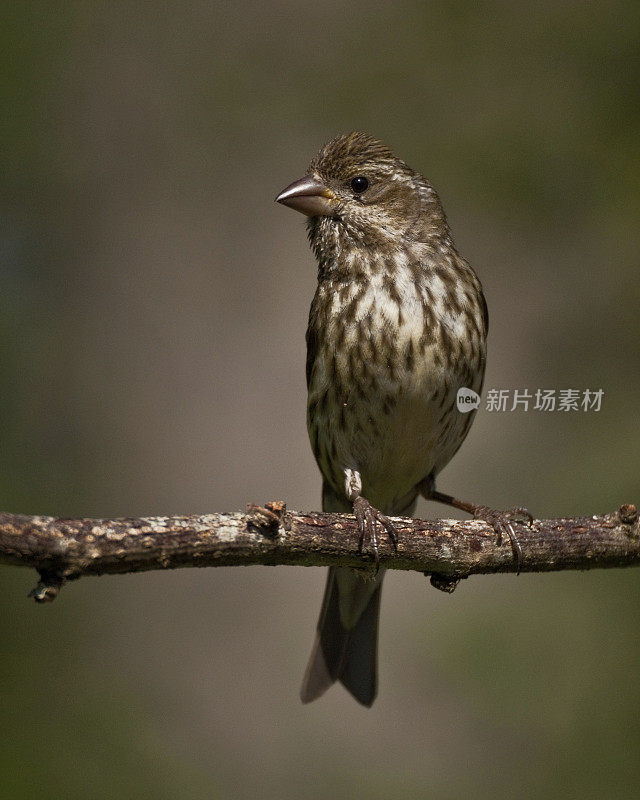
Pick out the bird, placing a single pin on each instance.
(398, 324)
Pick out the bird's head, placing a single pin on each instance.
(356, 189)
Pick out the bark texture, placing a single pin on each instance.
(447, 550)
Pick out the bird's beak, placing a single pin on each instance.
(309, 196)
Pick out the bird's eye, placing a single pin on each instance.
(359, 184)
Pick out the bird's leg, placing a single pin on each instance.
(367, 517)
(500, 521)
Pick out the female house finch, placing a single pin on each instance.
(397, 325)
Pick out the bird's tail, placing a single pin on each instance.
(346, 643)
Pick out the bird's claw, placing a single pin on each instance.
(502, 524)
(520, 514)
(367, 518)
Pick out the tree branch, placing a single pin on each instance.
(448, 550)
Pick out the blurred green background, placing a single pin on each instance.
(153, 303)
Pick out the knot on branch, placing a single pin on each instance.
(266, 519)
(628, 514)
(47, 589)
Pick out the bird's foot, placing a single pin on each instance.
(502, 524)
(501, 521)
(368, 518)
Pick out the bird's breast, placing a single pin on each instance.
(386, 357)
